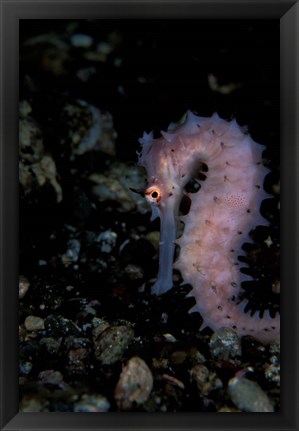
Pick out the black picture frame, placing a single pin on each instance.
(11, 13)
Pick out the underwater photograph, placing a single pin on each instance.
(149, 215)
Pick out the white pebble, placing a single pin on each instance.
(81, 40)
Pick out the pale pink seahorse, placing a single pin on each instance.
(222, 213)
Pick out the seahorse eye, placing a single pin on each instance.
(153, 194)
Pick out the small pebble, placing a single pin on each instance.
(22, 333)
(134, 272)
(92, 404)
(107, 241)
(24, 285)
(25, 367)
(164, 318)
(249, 396)
(200, 374)
(272, 373)
(173, 381)
(81, 40)
(205, 381)
(72, 253)
(225, 344)
(275, 347)
(33, 404)
(135, 384)
(169, 338)
(104, 48)
(196, 356)
(99, 326)
(154, 238)
(178, 357)
(226, 409)
(53, 378)
(34, 323)
(111, 344)
(78, 355)
(59, 326)
(50, 345)
(24, 108)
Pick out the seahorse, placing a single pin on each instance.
(221, 215)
